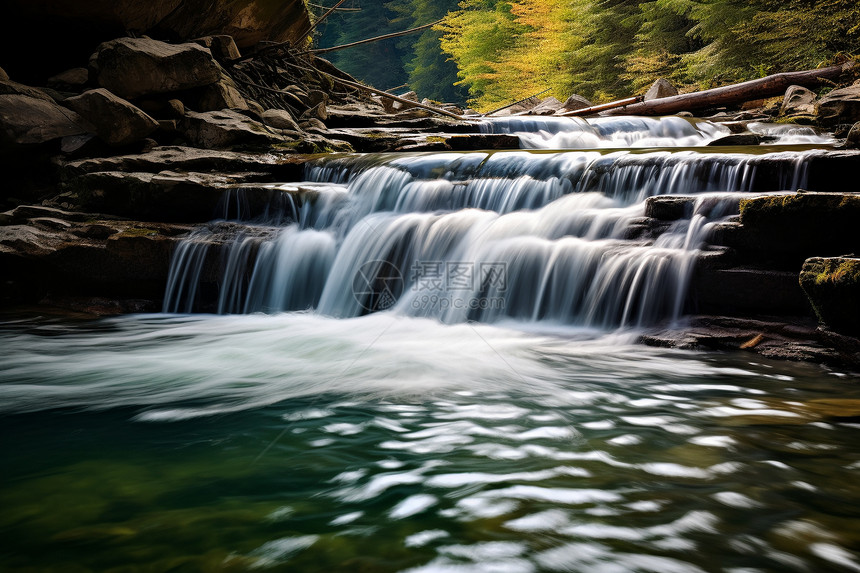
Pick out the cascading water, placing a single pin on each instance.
(536, 132)
(396, 443)
(554, 238)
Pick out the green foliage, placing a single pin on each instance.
(498, 51)
(607, 49)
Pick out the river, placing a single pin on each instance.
(428, 363)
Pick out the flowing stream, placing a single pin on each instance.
(428, 363)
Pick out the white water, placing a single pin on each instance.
(531, 237)
(541, 132)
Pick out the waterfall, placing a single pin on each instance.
(541, 132)
(556, 238)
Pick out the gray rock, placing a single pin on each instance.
(133, 67)
(8, 87)
(222, 47)
(168, 196)
(221, 95)
(315, 97)
(316, 112)
(188, 159)
(116, 121)
(548, 106)
(798, 99)
(840, 106)
(574, 102)
(312, 123)
(26, 120)
(218, 129)
(73, 79)
(280, 119)
(660, 89)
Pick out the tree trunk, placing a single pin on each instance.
(769, 86)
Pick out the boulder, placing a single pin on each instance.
(26, 120)
(53, 255)
(221, 95)
(3, 75)
(217, 129)
(548, 106)
(222, 47)
(8, 87)
(788, 229)
(574, 102)
(134, 67)
(317, 112)
(70, 80)
(798, 99)
(116, 121)
(280, 119)
(522, 107)
(852, 141)
(840, 106)
(833, 288)
(659, 89)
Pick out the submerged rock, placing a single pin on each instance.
(116, 121)
(833, 288)
(134, 67)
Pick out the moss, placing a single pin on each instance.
(138, 232)
(846, 272)
(436, 139)
(833, 288)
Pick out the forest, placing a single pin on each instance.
(492, 52)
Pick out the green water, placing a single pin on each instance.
(152, 444)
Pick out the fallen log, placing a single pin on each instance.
(768, 86)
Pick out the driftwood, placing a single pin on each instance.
(602, 107)
(375, 39)
(387, 95)
(515, 103)
(769, 86)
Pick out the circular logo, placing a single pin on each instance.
(377, 285)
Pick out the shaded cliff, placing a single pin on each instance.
(39, 38)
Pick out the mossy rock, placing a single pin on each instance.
(791, 228)
(833, 288)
